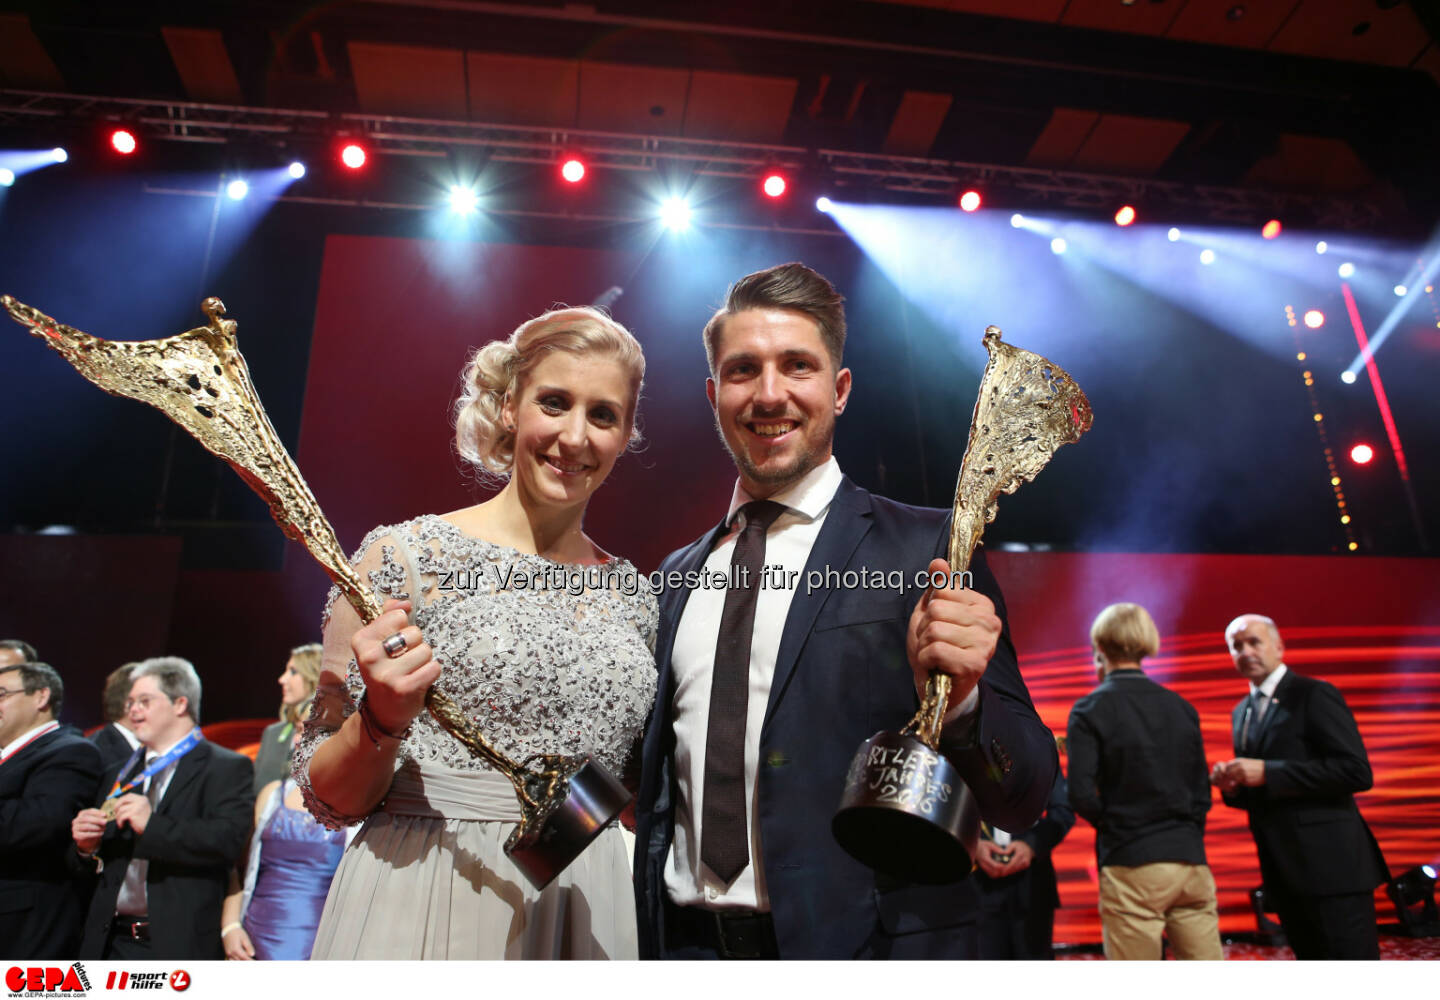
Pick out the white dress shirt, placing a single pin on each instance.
(787, 545)
(27, 737)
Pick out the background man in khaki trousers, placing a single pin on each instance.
(1138, 775)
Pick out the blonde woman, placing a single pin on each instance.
(297, 686)
(538, 633)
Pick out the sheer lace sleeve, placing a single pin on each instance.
(340, 685)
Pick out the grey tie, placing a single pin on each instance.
(1259, 702)
(132, 901)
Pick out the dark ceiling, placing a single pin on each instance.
(1330, 98)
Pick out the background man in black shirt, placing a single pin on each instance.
(1138, 774)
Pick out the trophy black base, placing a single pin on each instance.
(906, 813)
(595, 798)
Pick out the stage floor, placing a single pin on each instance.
(1393, 948)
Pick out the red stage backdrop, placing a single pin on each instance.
(396, 318)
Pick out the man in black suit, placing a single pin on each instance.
(165, 861)
(1299, 761)
(1018, 889)
(116, 740)
(766, 691)
(46, 774)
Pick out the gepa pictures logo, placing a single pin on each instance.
(46, 981)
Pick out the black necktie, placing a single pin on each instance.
(724, 839)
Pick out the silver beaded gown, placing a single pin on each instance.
(548, 658)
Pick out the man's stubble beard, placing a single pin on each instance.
(793, 472)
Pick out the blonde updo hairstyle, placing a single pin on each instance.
(1125, 633)
(497, 371)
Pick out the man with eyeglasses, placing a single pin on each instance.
(172, 822)
(46, 773)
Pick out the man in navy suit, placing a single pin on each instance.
(46, 774)
(116, 740)
(164, 861)
(1299, 760)
(766, 692)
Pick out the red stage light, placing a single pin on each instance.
(774, 185)
(353, 156)
(572, 170)
(1314, 319)
(1271, 229)
(123, 141)
(1361, 454)
(970, 201)
(1125, 216)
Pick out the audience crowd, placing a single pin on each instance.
(146, 841)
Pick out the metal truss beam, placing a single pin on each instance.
(185, 121)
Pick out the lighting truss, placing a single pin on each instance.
(186, 121)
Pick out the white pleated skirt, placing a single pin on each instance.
(427, 877)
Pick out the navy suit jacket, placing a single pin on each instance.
(42, 901)
(192, 841)
(1309, 834)
(841, 675)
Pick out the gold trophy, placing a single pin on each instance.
(200, 380)
(905, 812)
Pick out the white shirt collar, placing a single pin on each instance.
(162, 751)
(34, 732)
(1269, 684)
(808, 497)
(127, 735)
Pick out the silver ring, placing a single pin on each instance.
(394, 645)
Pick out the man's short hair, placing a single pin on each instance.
(26, 651)
(1239, 622)
(1125, 633)
(177, 679)
(785, 286)
(35, 676)
(117, 692)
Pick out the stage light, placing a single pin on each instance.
(1173, 235)
(7, 177)
(1401, 291)
(675, 214)
(1413, 895)
(1207, 257)
(1314, 318)
(1125, 215)
(1058, 245)
(774, 185)
(463, 200)
(1321, 247)
(823, 204)
(353, 156)
(1017, 220)
(1361, 454)
(1271, 229)
(1348, 377)
(123, 141)
(1346, 269)
(572, 170)
(59, 155)
(970, 201)
(237, 189)
(297, 169)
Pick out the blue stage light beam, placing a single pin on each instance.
(22, 161)
(1413, 286)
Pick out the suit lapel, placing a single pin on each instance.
(187, 769)
(1237, 725)
(845, 525)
